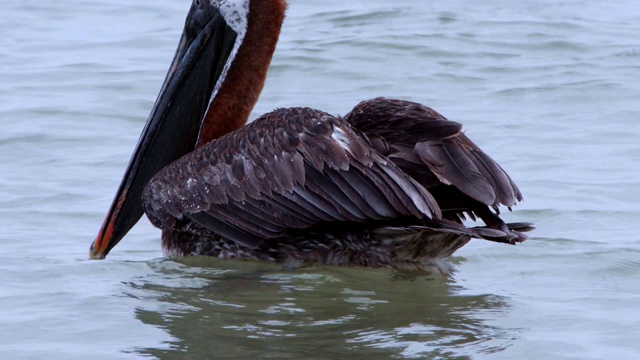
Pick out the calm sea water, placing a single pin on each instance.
(549, 88)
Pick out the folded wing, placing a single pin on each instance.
(289, 169)
(434, 151)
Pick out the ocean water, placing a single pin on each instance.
(549, 89)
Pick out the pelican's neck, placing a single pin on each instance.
(241, 87)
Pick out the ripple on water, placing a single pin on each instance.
(250, 309)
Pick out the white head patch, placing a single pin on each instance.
(236, 14)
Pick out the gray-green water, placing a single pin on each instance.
(550, 89)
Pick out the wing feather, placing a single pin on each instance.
(425, 144)
(464, 180)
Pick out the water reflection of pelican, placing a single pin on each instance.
(251, 310)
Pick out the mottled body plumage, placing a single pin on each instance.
(301, 186)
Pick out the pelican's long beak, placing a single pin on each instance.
(175, 120)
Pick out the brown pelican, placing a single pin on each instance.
(387, 185)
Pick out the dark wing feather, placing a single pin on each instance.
(290, 169)
(453, 166)
(419, 137)
(434, 152)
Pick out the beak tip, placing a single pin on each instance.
(95, 255)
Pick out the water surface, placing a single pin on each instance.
(549, 88)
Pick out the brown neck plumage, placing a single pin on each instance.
(245, 79)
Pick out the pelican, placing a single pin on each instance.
(389, 185)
